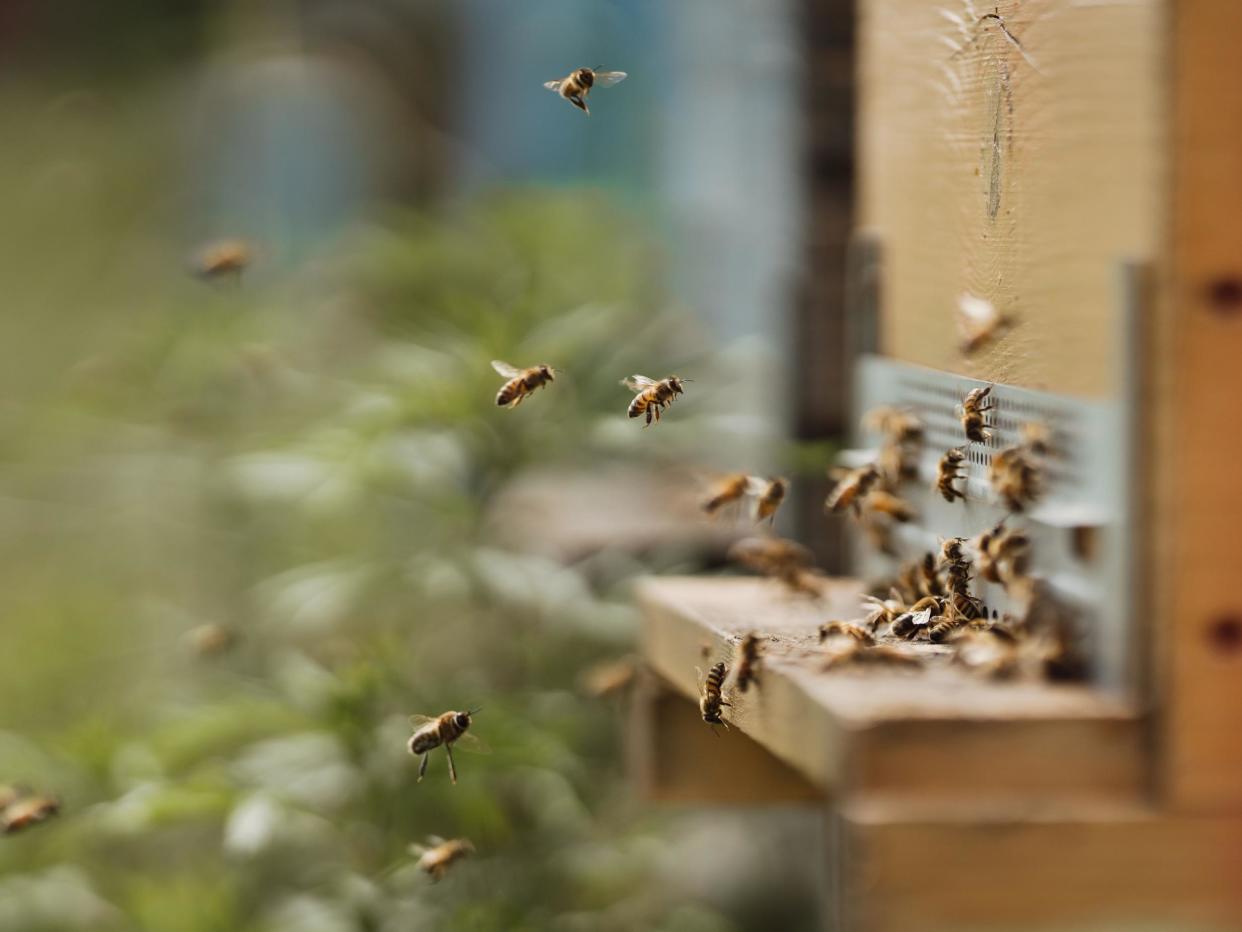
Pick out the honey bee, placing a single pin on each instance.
(431, 732)
(915, 620)
(522, 382)
(711, 698)
(881, 611)
(852, 489)
(22, 813)
(855, 653)
(947, 473)
(1036, 437)
(978, 321)
(225, 259)
(747, 670)
(952, 551)
(1015, 478)
(578, 84)
(929, 576)
(886, 503)
(941, 628)
(606, 679)
(438, 855)
(896, 424)
(780, 559)
(652, 396)
(728, 490)
(845, 629)
(768, 498)
(973, 409)
(211, 639)
(1004, 555)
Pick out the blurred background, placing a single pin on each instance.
(255, 522)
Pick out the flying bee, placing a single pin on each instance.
(1015, 477)
(578, 84)
(854, 653)
(747, 671)
(1036, 437)
(728, 490)
(522, 382)
(609, 677)
(768, 498)
(852, 489)
(886, 503)
(652, 396)
(711, 699)
(211, 639)
(947, 473)
(431, 732)
(978, 321)
(22, 813)
(896, 424)
(845, 629)
(438, 855)
(224, 259)
(973, 409)
(780, 559)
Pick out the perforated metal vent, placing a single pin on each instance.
(1086, 492)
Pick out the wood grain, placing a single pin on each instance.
(1200, 497)
(889, 733)
(1019, 175)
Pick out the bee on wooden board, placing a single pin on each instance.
(747, 670)
(947, 472)
(855, 653)
(652, 396)
(438, 855)
(446, 730)
(845, 629)
(973, 409)
(852, 489)
(711, 697)
(978, 321)
(577, 85)
(223, 259)
(521, 382)
(25, 811)
(881, 611)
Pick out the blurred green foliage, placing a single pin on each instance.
(305, 461)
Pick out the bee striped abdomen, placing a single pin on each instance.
(509, 392)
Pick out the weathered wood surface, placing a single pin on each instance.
(1019, 163)
(1091, 866)
(939, 732)
(1196, 555)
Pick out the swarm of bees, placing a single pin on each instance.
(577, 85)
(20, 810)
(438, 855)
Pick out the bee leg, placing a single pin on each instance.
(650, 408)
(448, 749)
(422, 768)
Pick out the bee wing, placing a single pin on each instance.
(434, 841)
(418, 721)
(505, 369)
(756, 485)
(609, 78)
(472, 743)
(636, 383)
(554, 86)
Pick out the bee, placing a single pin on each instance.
(711, 698)
(652, 396)
(978, 321)
(845, 629)
(914, 621)
(522, 382)
(431, 732)
(730, 489)
(22, 813)
(225, 259)
(929, 576)
(1015, 477)
(212, 639)
(896, 424)
(886, 503)
(578, 84)
(438, 855)
(941, 628)
(947, 473)
(880, 611)
(1036, 437)
(610, 677)
(747, 671)
(768, 498)
(987, 656)
(973, 409)
(780, 559)
(952, 552)
(856, 653)
(852, 489)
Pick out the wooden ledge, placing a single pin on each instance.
(940, 732)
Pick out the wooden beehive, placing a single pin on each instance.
(1078, 163)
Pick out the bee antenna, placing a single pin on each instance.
(474, 711)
